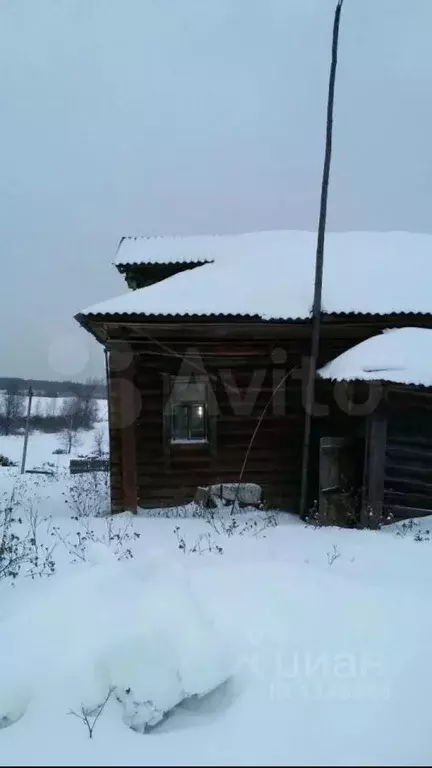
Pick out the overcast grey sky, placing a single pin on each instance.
(129, 117)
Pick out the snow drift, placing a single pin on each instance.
(135, 628)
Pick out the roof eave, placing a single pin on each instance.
(123, 266)
(388, 383)
(95, 329)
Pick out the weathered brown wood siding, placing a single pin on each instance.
(169, 474)
(408, 465)
(123, 408)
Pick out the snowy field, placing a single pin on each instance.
(293, 645)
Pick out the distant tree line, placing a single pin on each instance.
(47, 388)
(76, 410)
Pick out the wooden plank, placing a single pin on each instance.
(373, 498)
(329, 475)
(166, 417)
(411, 499)
(335, 326)
(79, 466)
(40, 472)
(409, 450)
(408, 485)
(401, 512)
(116, 484)
(128, 443)
(398, 470)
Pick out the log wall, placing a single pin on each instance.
(169, 474)
(408, 459)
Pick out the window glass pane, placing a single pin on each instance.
(180, 422)
(197, 421)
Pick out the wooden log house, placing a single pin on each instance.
(207, 333)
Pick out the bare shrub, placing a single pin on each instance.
(41, 562)
(79, 412)
(228, 526)
(20, 547)
(204, 543)
(118, 538)
(192, 510)
(90, 716)
(51, 408)
(333, 555)
(223, 525)
(12, 408)
(411, 527)
(70, 413)
(349, 513)
(99, 442)
(89, 494)
(6, 462)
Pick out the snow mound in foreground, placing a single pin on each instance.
(133, 627)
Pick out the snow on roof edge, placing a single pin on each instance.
(200, 316)
(161, 262)
(128, 241)
(397, 356)
(265, 319)
(167, 249)
(271, 274)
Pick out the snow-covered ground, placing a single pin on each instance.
(322, 637)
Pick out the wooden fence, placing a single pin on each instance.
(79, 466)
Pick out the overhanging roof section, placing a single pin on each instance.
(398, 355)
(136, 251)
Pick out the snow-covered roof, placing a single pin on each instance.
(271, 274)
(400, 355)
(165, 250)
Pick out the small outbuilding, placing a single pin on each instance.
(388, 379)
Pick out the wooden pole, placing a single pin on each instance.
(110, 422)
(373, 492)
(128, 417)
(27, 429)
(319, 263)
(108, 390)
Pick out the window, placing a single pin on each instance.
(189, 422)
(188, 411)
